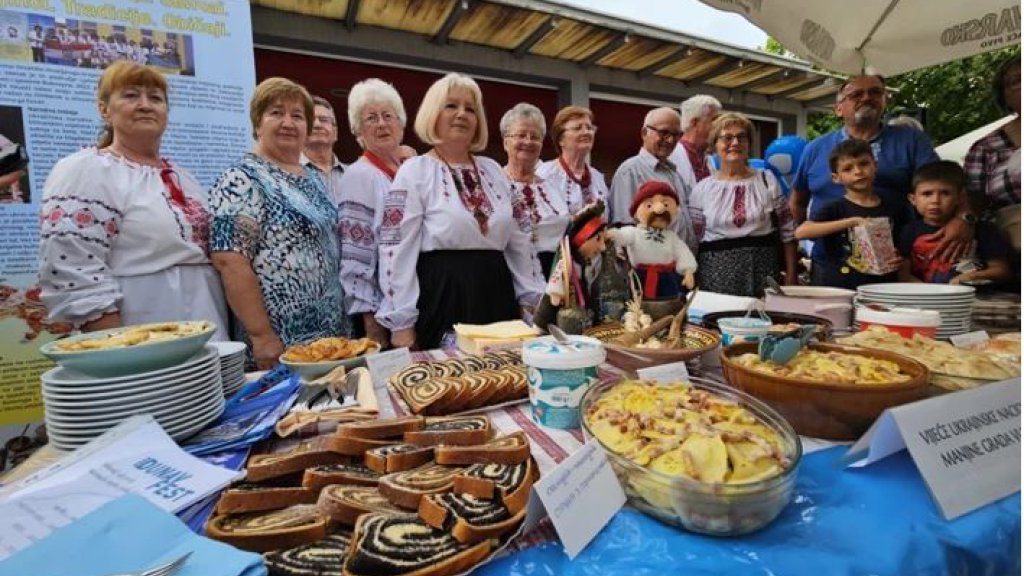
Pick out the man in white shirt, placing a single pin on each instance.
(659, 134)
(690, 156)
(319, 153)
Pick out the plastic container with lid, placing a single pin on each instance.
(744, 329)
(904, 321)
(559, 375)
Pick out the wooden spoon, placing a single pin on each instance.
(675, 335)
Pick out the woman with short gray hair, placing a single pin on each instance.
(540, 211)
(377, 117)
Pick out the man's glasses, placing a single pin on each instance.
(664, 134)
(324, 119)
(859, 93)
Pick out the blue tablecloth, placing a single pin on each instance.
(874, 520)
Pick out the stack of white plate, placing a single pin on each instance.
(232, 365)
(953, 303)
(182, 398)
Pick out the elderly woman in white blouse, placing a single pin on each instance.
(124, 232)
(573, 131)
(541, 211)
(450, 250)
(377, 118)
(740, 217)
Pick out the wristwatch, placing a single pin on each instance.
(969, 218)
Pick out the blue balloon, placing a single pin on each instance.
(784, 154)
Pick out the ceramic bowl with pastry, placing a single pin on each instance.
(314, 359)
(697, 455)
(693, 342)
(828, 391)
(130, 349)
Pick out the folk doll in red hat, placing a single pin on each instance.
(569, 286)
(660, 258)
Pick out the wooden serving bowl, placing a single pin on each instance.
(826, 409)
(632, 359)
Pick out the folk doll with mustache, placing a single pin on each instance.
(660, 258)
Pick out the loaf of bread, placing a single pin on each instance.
(307, 454)
(321, 558)
(356, 447)
(397, 457)
(407, 546)
(404, 489)
(510, 483)
(453, 431)
(345, 504)
(317, 477)
(249, 497)
(273, 530)
(510, 449)
(468, 518)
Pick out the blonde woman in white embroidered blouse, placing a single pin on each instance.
(124, 232)
(450, 250)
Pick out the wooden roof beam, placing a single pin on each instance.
(722, 68)
(351, 13)
(772, 78)
(647, 71)
(536, 36)
(798, 89)
(460, 8)
(612, 45)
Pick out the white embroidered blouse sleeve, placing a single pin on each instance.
(780, 206)
(398, 249)
(361, 194)
(80, 219)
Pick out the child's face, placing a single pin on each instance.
(855, 173)
(935, 201)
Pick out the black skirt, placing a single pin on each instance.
(546, 260)
(471, 286)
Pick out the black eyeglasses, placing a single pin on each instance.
(664, 134)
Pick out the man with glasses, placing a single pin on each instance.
(319, 152)
(659, 135)
(690, 156)
(898, 150)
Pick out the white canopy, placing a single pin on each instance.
(957, 148)
(883, 36)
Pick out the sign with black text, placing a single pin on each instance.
(581, 495)
(966, 445)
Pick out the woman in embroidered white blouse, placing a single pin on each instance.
(573, 131)
(377, 117)
(541, 210)
(450, 250)
(124, 232)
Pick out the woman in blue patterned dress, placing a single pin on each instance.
(274, 238)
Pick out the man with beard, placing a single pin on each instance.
(659, 135)
(319, 153)
(898, 150)
(662, 261)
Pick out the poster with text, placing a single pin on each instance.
(52, 53)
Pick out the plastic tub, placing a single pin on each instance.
(559, 375)
(904, 321)
(736, 330)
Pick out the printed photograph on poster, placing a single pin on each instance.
(14, 185)
(18, 442)
(42, 38)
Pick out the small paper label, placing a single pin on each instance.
(969, 339)
(966, 439)
(384, 365)
(581, 495)
(665, 373)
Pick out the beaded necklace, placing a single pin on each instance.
(583, 182)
